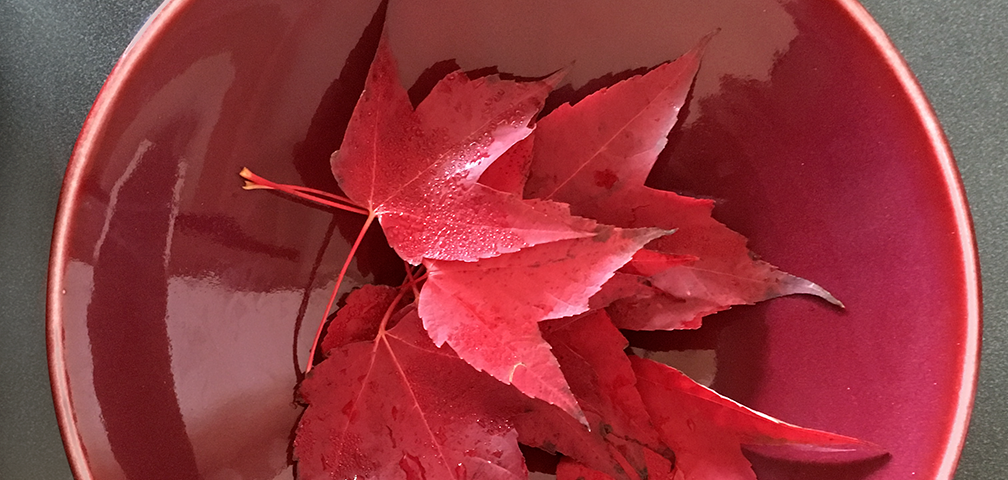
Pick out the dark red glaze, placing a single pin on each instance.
(181, 307)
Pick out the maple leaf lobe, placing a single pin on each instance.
(417, 169)
(396, 407)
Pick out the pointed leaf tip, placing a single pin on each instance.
(794, 285)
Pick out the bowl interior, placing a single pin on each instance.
(181, 307)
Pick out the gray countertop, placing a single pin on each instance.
(54, 57)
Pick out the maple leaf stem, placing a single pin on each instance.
(392, 307)
(412, 279)
(255, 182)
(339, 281)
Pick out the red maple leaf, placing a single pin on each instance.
(591, 354)
(596, 155)
(707, 431)
(489, 310)
(416, 170)
(360, 317)
(398, 407)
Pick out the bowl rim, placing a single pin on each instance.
(970, 362)
(168, 12)
(97, 119)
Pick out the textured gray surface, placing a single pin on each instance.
(55, 55)
(959, 51)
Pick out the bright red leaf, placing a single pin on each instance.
(634, 303)
(590, 351)
(550, 429)
(400, 408)
(510, 171)
(591, 354)
(596, 155)
(385, 383)
(489, 310)
(659, 467)
(707, 431)
(359, 318)
(647, 262)
(416, 170)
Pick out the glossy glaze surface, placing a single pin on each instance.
(177, 299)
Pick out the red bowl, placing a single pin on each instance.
(181, 307)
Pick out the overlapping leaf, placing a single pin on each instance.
(620, 438)
(360, 317)
(489, 310)
(398, 407)
(416, 170)
(608, 143)
(707, 431)
(385, 408)
(591, 354)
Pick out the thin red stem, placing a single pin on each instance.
(255, 182)
(249, 175)
(413, 280)
(339, 281)
(392, 308)
(323, 194)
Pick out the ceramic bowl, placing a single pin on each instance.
(181, 307)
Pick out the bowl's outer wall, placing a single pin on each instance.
(176, 297)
